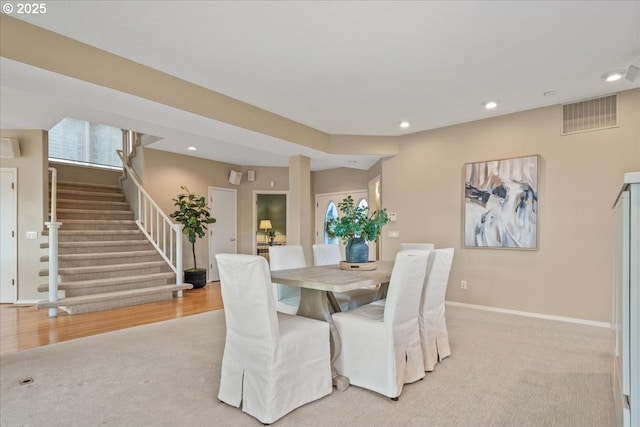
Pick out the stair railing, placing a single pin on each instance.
(53, 227)
(163, 234)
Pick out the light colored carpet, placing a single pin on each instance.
(504, 371)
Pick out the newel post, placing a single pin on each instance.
(53, 265)
(178, 230)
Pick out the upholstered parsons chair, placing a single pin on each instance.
(284, 258)
(272, 362)
(381, 343)
(434, 337)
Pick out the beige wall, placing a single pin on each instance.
(337, 180)
(165, 172)
(87, 174)
(32, 183)
(579, 177)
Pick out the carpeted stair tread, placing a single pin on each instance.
(93, 232)
(112, 281)
(97, 243)
(81, 194)
(103, 268)
(99, 221)
(95, 187)
(101, 255)
(96, 298)
(92, 211)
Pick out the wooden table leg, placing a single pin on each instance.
(315, 305)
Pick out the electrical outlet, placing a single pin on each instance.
(463, 284)
(393, 234)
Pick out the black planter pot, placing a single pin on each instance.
(198, 278)
(357, 250)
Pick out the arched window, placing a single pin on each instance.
(331, 213)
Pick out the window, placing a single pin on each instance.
(79, 141)
(331, 213)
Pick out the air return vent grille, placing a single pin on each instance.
(591, 114)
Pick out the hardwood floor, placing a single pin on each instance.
(24, 327)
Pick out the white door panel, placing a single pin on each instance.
(223, 233)
(8, 236)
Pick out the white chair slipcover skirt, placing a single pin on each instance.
(272, 362)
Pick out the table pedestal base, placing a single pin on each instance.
(315, 305)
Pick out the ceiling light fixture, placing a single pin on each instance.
(404, 124)
(191, 148)
(613, 76)
(490, 105)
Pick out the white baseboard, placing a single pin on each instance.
(27, 301)
(530, 314)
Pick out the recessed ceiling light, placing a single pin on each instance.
(490, 105)
(405, 124)
(191, 148)
(613, 76)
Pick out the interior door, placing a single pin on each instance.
(8, 236)
(223, 233)
(327, 207)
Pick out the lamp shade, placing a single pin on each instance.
(265, 224)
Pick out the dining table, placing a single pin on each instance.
(318, 284)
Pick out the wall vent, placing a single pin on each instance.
(590, 114)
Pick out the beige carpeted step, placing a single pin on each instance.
(101, 235)
(65, 248)
(98, 224)
(81, 186)
(107, 271)
(92, 205)
(89, 194)
(107, 301)
(63, 214)
(104, 258)
(112, 284)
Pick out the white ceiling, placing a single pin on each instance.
(349, 67)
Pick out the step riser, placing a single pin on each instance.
(65, 238)
(87, 188)
(92, 205)
(107, 273)
(109, 305)
(142, 246)
(104, 197)
(101, 226)
(61, 216)
(115, 288)
(133, 259)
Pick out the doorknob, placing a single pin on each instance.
(233, 239)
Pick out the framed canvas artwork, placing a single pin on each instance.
(501, 204)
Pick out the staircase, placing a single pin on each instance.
(104, 260)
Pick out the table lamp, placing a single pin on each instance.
(265, 225)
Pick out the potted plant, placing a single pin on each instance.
(193, 213)
(356, 227)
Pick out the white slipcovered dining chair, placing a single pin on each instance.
(283, 258)
(434, 337)
(272, 362)
(324, 254)
(417, 246)
(381, 344)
